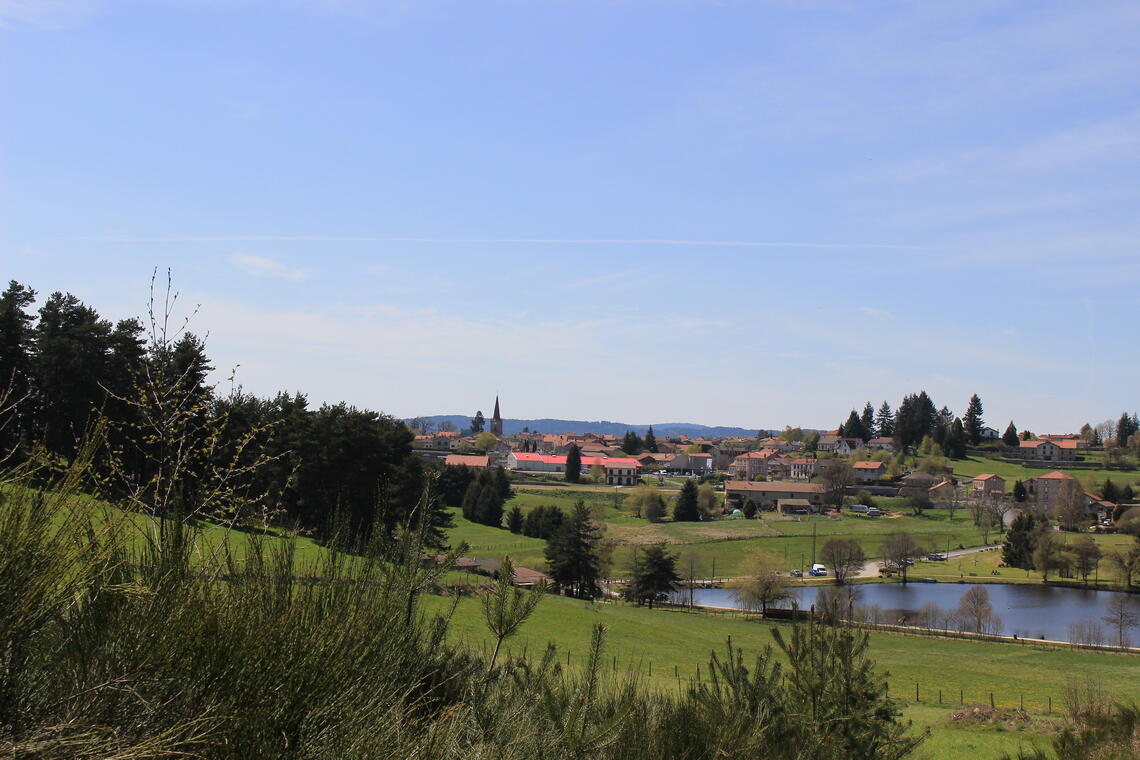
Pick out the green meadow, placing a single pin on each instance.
(666, 648)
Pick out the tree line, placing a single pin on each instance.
(66, 372)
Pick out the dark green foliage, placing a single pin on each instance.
(1126, 427)
(1020, 493)
(1126, 493)
(749, 509)
(72, 344)
(685, 508)
(973, 421)
(502, 483)
(1017, 551)
(915, 419)
(955, 444)
(483, 501)
(452, 482)
(632, 443)
(1010, 437)
(853, 427)
(867, 419)
(1109, 491)
(572, 555)
(543, 522)
(573, 464)
(477, 423)
(515, 520)
(654, 576)
(885, 421)
(650, 442)
(17, 346)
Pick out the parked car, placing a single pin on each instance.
(874, 512)
(936, 556)
(797, 573)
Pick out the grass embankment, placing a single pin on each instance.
(639, 638)
(971, 467)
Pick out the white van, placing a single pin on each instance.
(817, 570)
(861, 508)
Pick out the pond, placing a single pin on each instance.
(1030, 611)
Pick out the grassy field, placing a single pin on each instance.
(723, 543)
(971, 467)
(674, 643)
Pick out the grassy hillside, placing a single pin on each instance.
(670, 642)
(971, 467)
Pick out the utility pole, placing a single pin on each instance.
(813, 543)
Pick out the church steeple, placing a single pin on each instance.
(497, 421)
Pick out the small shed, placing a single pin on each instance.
(794, 506)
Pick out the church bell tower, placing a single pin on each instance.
(497, 421)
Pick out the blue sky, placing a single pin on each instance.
(750, 213)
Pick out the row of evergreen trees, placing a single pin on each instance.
(66, 370)
(916, 418)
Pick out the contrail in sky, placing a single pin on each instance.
(479, 241)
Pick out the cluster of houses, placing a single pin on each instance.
(771, 472)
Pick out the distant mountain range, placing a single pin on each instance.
(661, 430)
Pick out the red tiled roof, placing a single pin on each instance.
(773, 486)
(526, 576)
(1055, 475)
(867, 465)
(987, 476)
(471, 460)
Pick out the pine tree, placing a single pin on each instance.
(650, 442)
(955, 446)
(1020, 494)
(654, 577)
(1109, 491)
(70, 363)
(631, 443)
(470, 504)
(490, 506)
(685, 509)
(868, 421)
(1017, 551)
(885, 421)
(17, 346)
(478, 423)
(572, 555)
(1125, 428)
(515, 520)
(1009, 437)
(853, 427)
(573, 464)
(973, 421)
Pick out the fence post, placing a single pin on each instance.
(991, 700)
(916, 699)
(961, 696)
(567, 658)
(1050, 704)
(651, 669)
(940, 696)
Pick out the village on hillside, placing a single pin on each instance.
(798, 472)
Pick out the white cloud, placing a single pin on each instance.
(259, 266)
(874, 311)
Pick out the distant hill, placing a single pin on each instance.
(661, 430)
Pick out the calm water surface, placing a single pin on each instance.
(1029, 611)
